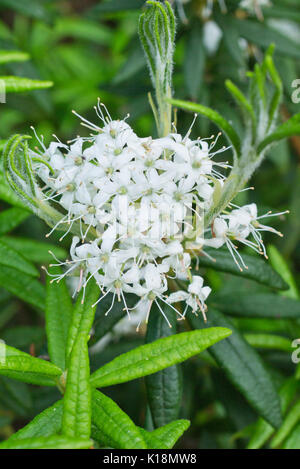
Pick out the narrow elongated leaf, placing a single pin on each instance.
(215, 117)
(6, 192)
(162, 353)
(76, 421)
(83, 29)
(194, 63)
(48, 442)
(260, 305)
(23, 286)
(33, 250)
(15, 396)
(164, 389)
(280, 265)
(117, 428)
(288, 424)
(103, 324)
(293, 440)
(244, 368)
(83, 314)
(286, 130)
(32, 8)
(231, 40)
(44, 424)
(4, 296)
(58, 318)
(269, 342)
(262, 35)
(258, 269)
(12, 56)
(244, 104)
(171, 432)
(263, 430)
(134, 64)
(18, 84)
(115, 5)
(11, 218)
(7, 313)
(23, 367)
(4, 421)
(151, 441)
(11, 258)
(21, 337)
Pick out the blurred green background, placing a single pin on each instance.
(90, 48)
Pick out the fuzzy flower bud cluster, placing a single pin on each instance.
(139, 204)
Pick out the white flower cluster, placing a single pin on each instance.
(239, 225)
(253, 6)
(139, 205)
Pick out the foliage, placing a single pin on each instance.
(70, 376)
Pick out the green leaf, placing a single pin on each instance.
(258, 269)
(164, 389)
(261, 34)
(269, 342)
(83, 314)
(23, 336)
(194, 62)
(76, 421)
(277, 95)
(44, 424)
(11, 218)
(23, 367)
(290, 128)
(11, 258)
(58, 318)
(32, 8)
(8, 194)
(116, 427)
(104, 324)
(15, 396)
(215, 117)
(288, 424)
(83, 29)
(260, 305)
(231, 40)
(14, 84)
(293, 440)
(23, 286)
(34, 250)
(8, 311)
(244, 368)
(162, 353)
(12, 56)
(151, 441)
(116, 5)
(171, 432)
(244, 104)
(263, 430)
(5, 421)
(280, 265)
(49, 442)
(134, 64)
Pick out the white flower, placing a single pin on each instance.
(212, 35)
(138, 204)
(195, 296)
(255, 6)
(238, 225)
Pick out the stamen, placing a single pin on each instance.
(162, 312)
